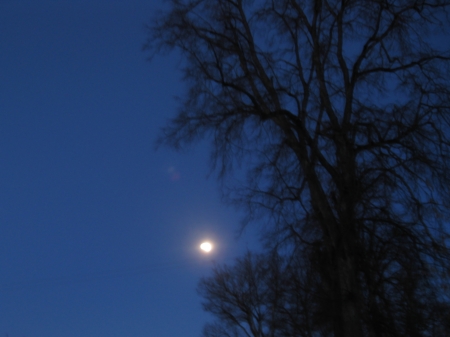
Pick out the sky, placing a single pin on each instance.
(99, 232)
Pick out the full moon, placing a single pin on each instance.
(206, 247)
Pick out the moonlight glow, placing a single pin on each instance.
(206, 247)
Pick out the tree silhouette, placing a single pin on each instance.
(261, 295)
(339, 111)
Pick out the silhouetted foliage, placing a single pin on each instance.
(340, 112)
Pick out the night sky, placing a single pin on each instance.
(99, 233)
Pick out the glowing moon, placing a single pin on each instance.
(206, 247)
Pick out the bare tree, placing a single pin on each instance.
(340, 111)
(261, 295)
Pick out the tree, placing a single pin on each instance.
(261, 295)
(339, 111)
(268, 294)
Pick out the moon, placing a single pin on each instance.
(206, 247)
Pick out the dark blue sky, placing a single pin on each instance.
(99, 233)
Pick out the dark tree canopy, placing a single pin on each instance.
(270, 295)
(262, 295)
(339, 111)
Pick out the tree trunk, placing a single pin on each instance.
(339, 244)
